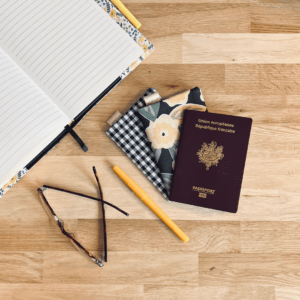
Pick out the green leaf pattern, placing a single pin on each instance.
(150, 112)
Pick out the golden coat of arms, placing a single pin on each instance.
(210, 154)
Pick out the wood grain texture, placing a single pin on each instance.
(151, 236)
(137, 268)
(263, 79)
(127, 2)
(236, 48)
(21, 267)
(71, 291)
(284, 293)
(245, 59)
(272, 20)
(270, 237)
(169, 19)
(209, 293)
(249, 269)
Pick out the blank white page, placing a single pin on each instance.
(72, 49)
(27, 118)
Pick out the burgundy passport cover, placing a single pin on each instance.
(210, 161)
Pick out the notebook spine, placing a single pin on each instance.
(73, 124)
(81, 115)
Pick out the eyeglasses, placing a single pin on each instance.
(71, 236)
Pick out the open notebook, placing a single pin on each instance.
(57, 60)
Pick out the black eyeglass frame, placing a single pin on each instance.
(60, 222)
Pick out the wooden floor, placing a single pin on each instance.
(246, 60)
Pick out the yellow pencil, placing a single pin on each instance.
(120, 6)
(150, 203)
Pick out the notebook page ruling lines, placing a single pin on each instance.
(72, 49)
(27, 117)
(129, 135)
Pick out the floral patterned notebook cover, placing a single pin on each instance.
(162, 124)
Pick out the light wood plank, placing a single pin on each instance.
(289, 208)
(123, 268)
(264, 137)
(184, 1)
(168, 50)
(155, 292)
(257, 79)
(244, 48)
(273, 20)
(21, 267)
(283, 183)
(165, 20)
(249, 269)
(237, 293)
(154, 236)
(270, 237)
(278, 110)
(70, 291)
(286, 293)
(18, 235)
(209, 293)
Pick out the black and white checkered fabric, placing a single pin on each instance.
(128, 133)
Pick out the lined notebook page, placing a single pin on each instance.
(27, 118)
(72, 49)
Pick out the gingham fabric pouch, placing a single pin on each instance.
(128, 133)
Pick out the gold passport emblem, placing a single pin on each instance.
(210, 154)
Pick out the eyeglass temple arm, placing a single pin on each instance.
(103, 212)
(89, 197)
(98, 182)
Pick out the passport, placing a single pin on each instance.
(210, 161)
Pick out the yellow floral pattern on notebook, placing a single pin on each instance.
(120, 19)
(13, 181)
